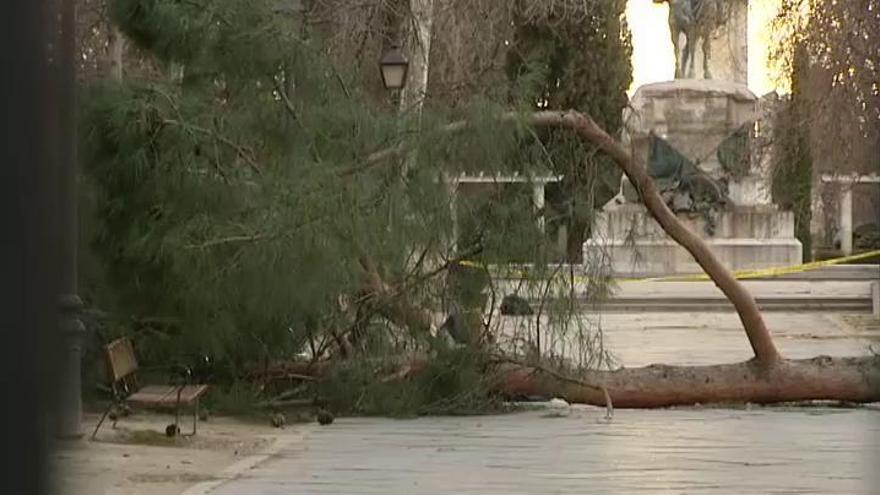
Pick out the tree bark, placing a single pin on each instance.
(392, 305)
(855, 380)
(418, 44)
(821, 378)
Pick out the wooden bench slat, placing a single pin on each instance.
(166, 395)
(191, 392)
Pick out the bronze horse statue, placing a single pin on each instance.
(697, 20)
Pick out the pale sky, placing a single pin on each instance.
(653, 60)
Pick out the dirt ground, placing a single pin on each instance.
(136, 458)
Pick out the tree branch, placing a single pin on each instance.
(240, 150)
(581, 124)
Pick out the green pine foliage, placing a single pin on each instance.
(239, 200)
(232, 202)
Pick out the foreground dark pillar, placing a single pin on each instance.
(69, 304)
(27, 287)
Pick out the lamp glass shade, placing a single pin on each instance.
(393, 67)
(393, 75)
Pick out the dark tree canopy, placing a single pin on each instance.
(583, 58)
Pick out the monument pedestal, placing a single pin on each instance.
(746, 238)
(709, 123)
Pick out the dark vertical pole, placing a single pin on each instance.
(26, 289)
(72, 330)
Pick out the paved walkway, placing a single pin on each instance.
(640, 339)
(706, 451)
(673, 451)
(711, 338)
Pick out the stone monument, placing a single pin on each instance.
(696, 137)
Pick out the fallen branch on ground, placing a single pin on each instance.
(562, 377)
(854, 380)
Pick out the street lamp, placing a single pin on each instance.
(393, 67)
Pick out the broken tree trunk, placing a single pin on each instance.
(392, 305)
(821, 378)
(766, 379)
(581, 124)
(753, 323)
(855, 380)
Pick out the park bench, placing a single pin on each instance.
(122, 367)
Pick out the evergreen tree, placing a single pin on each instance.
(236, 196)
(584, 55)
(792, 167)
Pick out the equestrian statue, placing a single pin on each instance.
(697, 20)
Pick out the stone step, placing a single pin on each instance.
(828, 273)
(678, 305)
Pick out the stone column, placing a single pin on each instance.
(452, 192)
(875, 298)
(562, 241)
(846, 221)
(538, 201)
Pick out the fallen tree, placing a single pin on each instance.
(850, 380)
(228, 199)
(768, 378)
(854, 380)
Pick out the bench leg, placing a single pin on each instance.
(195, 416)
(195, 419)
(101, 421)
(177, 412)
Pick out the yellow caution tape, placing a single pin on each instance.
(739, 275)
(774, 272)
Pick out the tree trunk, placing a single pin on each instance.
(418, 45)
(820, 378)
(745, 305)
(393, 306)
(854, 380)
(753, 323)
